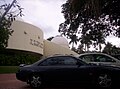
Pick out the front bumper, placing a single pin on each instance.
(22, 76)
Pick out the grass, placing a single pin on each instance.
(8, 69)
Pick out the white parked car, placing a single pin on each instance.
(99, 58)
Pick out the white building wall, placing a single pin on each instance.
(51, 48)
(26, 37)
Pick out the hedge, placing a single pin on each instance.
(15, 59)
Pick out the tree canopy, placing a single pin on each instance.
(90, 21)
(111, 49)
(7, 16)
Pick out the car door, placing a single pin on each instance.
(59, 69)
(50, 69)
(64, 69)
(72, 69)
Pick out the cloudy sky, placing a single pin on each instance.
(46, 14)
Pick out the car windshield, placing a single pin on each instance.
(37, 62)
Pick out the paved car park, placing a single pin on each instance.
(9, 81)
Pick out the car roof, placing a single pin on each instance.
(93, 53)
(98, 53)
(59, 56)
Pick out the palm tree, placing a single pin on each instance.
(85, 39)
(108, 48)
(90, 15)
(74, 40)
(80, 49)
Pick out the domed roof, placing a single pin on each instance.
(19, 19)
(61, 41)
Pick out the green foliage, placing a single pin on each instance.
(15, 59)
(50, 38)
(111, 49)
(5, 32)
(90, 20)
(7, 16)
(8, 69)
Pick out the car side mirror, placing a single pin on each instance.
(22, 65)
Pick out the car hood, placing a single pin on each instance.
(24, 65)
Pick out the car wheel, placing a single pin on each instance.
(104, 80)
(35, 81)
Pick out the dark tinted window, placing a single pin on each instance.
(70, 61)
(59, 61)
(87, 58)
(103, 58)
(49, 61)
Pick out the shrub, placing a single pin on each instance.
(15, 59)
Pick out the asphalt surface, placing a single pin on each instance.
(9, 81)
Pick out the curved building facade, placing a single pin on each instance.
(26, 37)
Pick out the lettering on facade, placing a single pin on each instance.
(36, 43)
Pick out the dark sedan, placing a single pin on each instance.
(68, 69)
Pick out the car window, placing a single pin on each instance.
(103, 58)
(70, 61)
(87, 58)
(49, 61)
(59, 61)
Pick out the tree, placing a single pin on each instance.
(85, 40)
(108, 48)
(50, 38)
(74, 40)
(80, 49)
(7, 16)
(92, 19)
(111, 49)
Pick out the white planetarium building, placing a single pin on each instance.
(29, 38)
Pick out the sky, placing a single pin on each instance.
(46, 14)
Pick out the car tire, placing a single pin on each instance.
(104, 80)
(35, 81)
